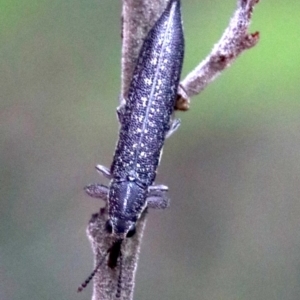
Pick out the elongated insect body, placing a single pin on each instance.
(146, 121)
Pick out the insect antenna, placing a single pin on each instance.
(87, 281)
(114, 253)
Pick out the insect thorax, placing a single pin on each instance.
(126, 202)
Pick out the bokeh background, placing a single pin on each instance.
(233, 228)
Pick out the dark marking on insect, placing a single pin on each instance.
(146, 121)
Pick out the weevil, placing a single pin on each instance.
(145, 122)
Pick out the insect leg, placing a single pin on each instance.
(174, 126)
(104, 171)
(157, 198)
(97, 190)
(121, 111)
(158, 188)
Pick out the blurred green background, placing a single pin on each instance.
(233, 228)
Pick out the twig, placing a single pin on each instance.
(138, 17)
(106, 280)
(234, 41)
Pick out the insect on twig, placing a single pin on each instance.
(146, 121)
